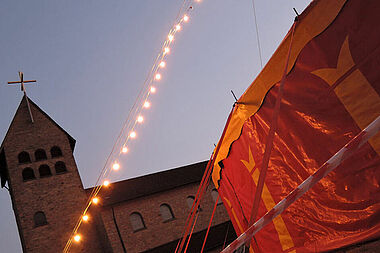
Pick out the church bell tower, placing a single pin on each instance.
(37, 164)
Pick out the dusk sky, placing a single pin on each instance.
(90, 59)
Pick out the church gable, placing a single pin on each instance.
(43, 124)
(33, 135)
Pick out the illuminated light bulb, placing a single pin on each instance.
(178, 27)
(95, 200)
(116, 166)
(77, 238)
(166, 50)
(146, 104)
(162, 64)
(170, 37)
(124, 150)
(158, 76)
(185, 18)
(106, 183)
(140, 119)
(85, 217)
(132, 134)
(153, 89)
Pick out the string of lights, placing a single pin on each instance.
(135, 117)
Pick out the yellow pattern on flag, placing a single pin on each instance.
(279, 224)
(234, 214)
(309, 27)
(354, 91)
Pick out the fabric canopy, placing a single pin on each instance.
(331, 93)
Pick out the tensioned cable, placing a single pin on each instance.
(257, 33)
(209, 224)
(202, 187)
(130, 121)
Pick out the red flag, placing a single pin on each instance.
(331, 93)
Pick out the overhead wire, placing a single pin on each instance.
(209, 224)
(201, 188)
(131, 120)
(204, 183)
(257, 33)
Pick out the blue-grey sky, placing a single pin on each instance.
(90, 59)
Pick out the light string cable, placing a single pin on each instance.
(127, 132)
(257, 33)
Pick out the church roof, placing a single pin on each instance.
(153, 183)
(3, 164)
(72, 141)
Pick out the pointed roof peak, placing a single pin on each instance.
(21, 109)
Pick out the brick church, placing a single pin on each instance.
(144, 214)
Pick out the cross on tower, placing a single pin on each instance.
(21, 75)
(21, 82)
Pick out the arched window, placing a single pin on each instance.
(44, 171)
(214, 195)
(39, 219)
(137, 222)
(60, 167)
(190, 200)
(55, 151)
(166, 213)
(24, 157)
(40, 154)
(28, 174)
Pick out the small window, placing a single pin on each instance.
(40, 154)
(60, 167)
(215, 195)
(28, 174)
(166, 213)
(190, 201)
(39, 219)
(44, 171)
(24, 157)
(137, 222)
(55, 151)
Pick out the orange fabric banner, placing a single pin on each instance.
(331, 93)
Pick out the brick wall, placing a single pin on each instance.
(59, 196)
(62, 197)
(157, 231)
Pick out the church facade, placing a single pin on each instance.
(144, 214)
